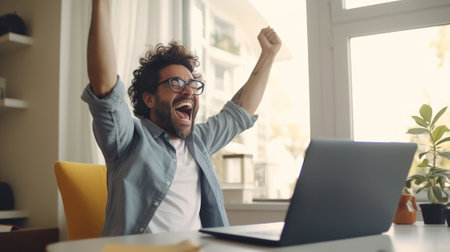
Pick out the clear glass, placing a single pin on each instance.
(220, 72)
(178, 85)
(351, 4)
(393, 74)
(230, 50)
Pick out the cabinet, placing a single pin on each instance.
(9, 43)
(28, 239)
(14, 217)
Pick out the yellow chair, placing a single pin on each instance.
(84, 193)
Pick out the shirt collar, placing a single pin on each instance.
(154, 129)
(157, 131)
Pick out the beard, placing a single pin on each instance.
(163, 113)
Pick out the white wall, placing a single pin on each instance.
(29, 138)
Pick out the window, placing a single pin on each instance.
(221, 77)
(389, 84)
(338, 48)
(227, 36)
(379, 64)
(351, 4)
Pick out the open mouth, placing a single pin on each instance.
(183, 110)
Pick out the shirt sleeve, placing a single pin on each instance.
(220, 129)
(112, 121)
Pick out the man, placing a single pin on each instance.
(160, 176)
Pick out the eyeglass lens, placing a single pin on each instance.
(178, 85)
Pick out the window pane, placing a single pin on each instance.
(220, 77)
(393, 74)
(230, 50)
(351, 4)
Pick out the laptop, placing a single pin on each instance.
(345, 189)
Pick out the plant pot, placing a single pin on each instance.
(406, 210)
(433, 213)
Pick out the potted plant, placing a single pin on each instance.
(430, 177)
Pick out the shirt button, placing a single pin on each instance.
(174, 160)
(156, 203)
(168, 182)
(141, 229)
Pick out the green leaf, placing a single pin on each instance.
(423, 153)
(417, 131)
(408, 183)
(437, 170)
(420, 189)
(438, 115)
(438, 193)
(431, 196)
(443, 140)
(439, 132)
(424, 163)
(419, 180)
(426, 112)
(445, 154)
(447, 174)
(406, 191)
(420, 121)
(441, 181)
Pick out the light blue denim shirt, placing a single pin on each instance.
(141, 163)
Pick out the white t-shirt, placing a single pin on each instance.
(180, 210)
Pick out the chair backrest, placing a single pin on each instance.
(84, 193)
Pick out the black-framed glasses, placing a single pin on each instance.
(177, 85)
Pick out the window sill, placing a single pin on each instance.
(261, 206)
(256, 212)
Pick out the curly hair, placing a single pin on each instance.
(147, 76)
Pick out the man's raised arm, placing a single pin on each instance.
(250, 95)
(101, 58)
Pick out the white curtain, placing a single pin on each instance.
(75, 133)
(130, 27)
(140, 24)
(136, 25)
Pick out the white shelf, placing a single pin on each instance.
(13, 41)
(13, 103)
(10, 42)
(13, 214)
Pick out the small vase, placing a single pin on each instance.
(433, 213)
(406, 210)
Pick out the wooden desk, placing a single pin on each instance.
(418, 237)
(28, 239)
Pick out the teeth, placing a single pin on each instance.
(182, 104)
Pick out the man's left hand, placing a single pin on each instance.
(269, 41)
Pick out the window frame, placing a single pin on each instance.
(330, 28)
